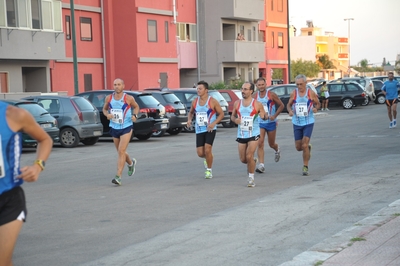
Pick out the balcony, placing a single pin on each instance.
(240, 51)
(343, 56)
(250, 10)
(343, 41)
(31, 45)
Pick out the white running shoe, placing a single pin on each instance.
(250, 181)
(277, 156)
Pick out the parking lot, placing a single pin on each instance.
(76, 216)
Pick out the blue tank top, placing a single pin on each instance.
(11, 146)
(249, 126)
(302, 109)
(269, 106)
(121, 111)
(204, 115)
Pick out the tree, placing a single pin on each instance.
(308, 68)
(324, 62)
(364, 63)
(277, 74)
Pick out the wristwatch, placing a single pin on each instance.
(135, 115)
(41, 163)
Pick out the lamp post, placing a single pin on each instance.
(348, 36)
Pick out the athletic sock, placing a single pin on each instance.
(251, 175)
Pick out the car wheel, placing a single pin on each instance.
(174, 131)
(191, 129)
(159, 133)
(347, 103)
(366, 102)
(69, 138)
(380, 99)
(90, 141)
(144, 137)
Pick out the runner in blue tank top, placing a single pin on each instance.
(390, 90)
(273, 106)
(208, 114)
(245, 114)
(118, 109)
(302, 105)
(13, 121)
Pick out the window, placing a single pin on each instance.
(3, 82)
(11, 13)
(280, 39)
(151, 30)
(23, 14)
(68, 27)
(186, 32)
(86, 29)
(309, 33)
(317, 49)
(35, 8)
(254, 34)
(166, 24)
(47, 15)
(193, 32)
(88, 82)
(280, 5)
(249, 34)
(272, 4)
(272, 40)
(241, 29)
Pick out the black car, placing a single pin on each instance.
(283, 92)
(150, 118)
(188, 95)
(365, 82)
(345, 94)
(175, 111)
(42, 117)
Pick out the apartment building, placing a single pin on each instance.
(169, 43)
(313, 42)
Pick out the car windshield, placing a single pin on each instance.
(238, 94)
(148, 100)
(216, 95)
(82, 103)
(33, 108)
(171, 98)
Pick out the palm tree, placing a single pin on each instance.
(324, 62)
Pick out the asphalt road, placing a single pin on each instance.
(168, 214)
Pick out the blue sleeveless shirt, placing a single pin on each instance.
(302, 109)
(205, 115)
(121, 111)
(249, 126)
(11, 146)
(269, 106)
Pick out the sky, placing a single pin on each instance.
(374, 32)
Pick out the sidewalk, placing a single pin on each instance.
(373, 241)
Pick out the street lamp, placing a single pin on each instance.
(348, 36)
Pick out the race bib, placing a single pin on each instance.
(246, 123)
(2, 166)
(265, 108)
(201, 119)
(117, 116)
(301, 109)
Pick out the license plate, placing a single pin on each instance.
(164, 126)
(182, 112)
(45, 125)
(96, 133)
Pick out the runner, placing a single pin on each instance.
(208, 114)
(302, 105)
(118, 109)
(13, 211)
(269, 100)
(390, 90)
(245, 114)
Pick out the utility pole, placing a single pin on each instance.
(74, 54)
(348, 37)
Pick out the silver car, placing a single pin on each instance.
(78, 119)
(367, 84)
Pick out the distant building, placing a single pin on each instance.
(313, 43)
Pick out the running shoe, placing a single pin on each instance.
(116, 180)
(208, 174)
(260, 169)
(250, 182)
(322, 109)
(131, 168)
(391, 125)
(205, 164)
(277, 156)
(394, 123)
(309, 148)
(326, 109)
(305, 170)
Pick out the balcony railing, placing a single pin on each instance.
(241, 51)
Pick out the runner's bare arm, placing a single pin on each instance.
(279, 102)
(105, 108)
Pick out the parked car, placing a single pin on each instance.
(77, 118)
(231, 96)
(366, 83)
(380, 97)
(175, 110)
(345, 94)
(42, 117)
(384, 78)
(150, 119)
(188, 95)
(283, 91)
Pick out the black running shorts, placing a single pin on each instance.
(12, 204)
